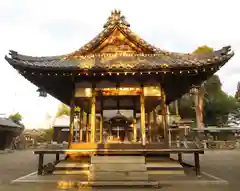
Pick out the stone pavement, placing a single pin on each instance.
(223, 164)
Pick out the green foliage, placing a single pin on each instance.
(186, 107)
(17, 117)
(63, 110)
(213, 86)
(203, 49)
(217, 107)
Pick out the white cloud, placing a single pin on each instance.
(43, 27)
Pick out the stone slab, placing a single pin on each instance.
(153, 180)
(118, 176)
(118, 167)
(117, 159)
(166, 172)
(72, 172)
(66, 164)
(170, 164)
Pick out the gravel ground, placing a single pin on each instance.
(223, 164)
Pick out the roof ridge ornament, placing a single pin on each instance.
(115, 19)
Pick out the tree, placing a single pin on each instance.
(234, 116)
(237, 94)
(63, 110)
(212, 102)
(186, 107)
(218, 104)
(17, 118)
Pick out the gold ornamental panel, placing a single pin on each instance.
(83, 92)
(152, 91)
(122, 91)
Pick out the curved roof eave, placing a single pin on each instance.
(142, 62)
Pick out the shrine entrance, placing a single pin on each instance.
(118, 129)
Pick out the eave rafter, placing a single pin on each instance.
(125, 62)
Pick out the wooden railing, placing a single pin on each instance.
(206, 144)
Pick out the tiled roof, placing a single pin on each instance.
(8, 123)
(124, 62)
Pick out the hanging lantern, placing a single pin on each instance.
(42, 93)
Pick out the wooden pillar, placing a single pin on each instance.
(71, 125)
(101, 122)
(142, 101)
(176, 108)
(149, 127)
(84, 127)
(168, 122)
(197, 163)
(110, 130)
(134, 126)
(154, 121)
(101, 128)
(198, 107)
(40, 164)
(81, 126)
(195, 96)
(93, 115)
(164, 114)
(87, 128)
(125, 133)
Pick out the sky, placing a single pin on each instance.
(56, 27)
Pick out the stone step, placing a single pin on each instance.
(162, 172)
(77, 156)
(117, 159)
(72, 164)
(71, 172)
(164, 165)
(157, 159)
(118, 184)
(118, 167)
(118, 176)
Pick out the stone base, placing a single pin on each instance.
(118, 168)
(118, 176)
(118, 159)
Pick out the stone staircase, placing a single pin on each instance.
(79, 166)
(163, 164)
(119, 168)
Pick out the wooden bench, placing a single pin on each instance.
(144, 152)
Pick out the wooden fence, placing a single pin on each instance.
(207, 144)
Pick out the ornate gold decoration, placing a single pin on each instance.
(87, 64)
(116, 18)
(117, 43)
(120, 91)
